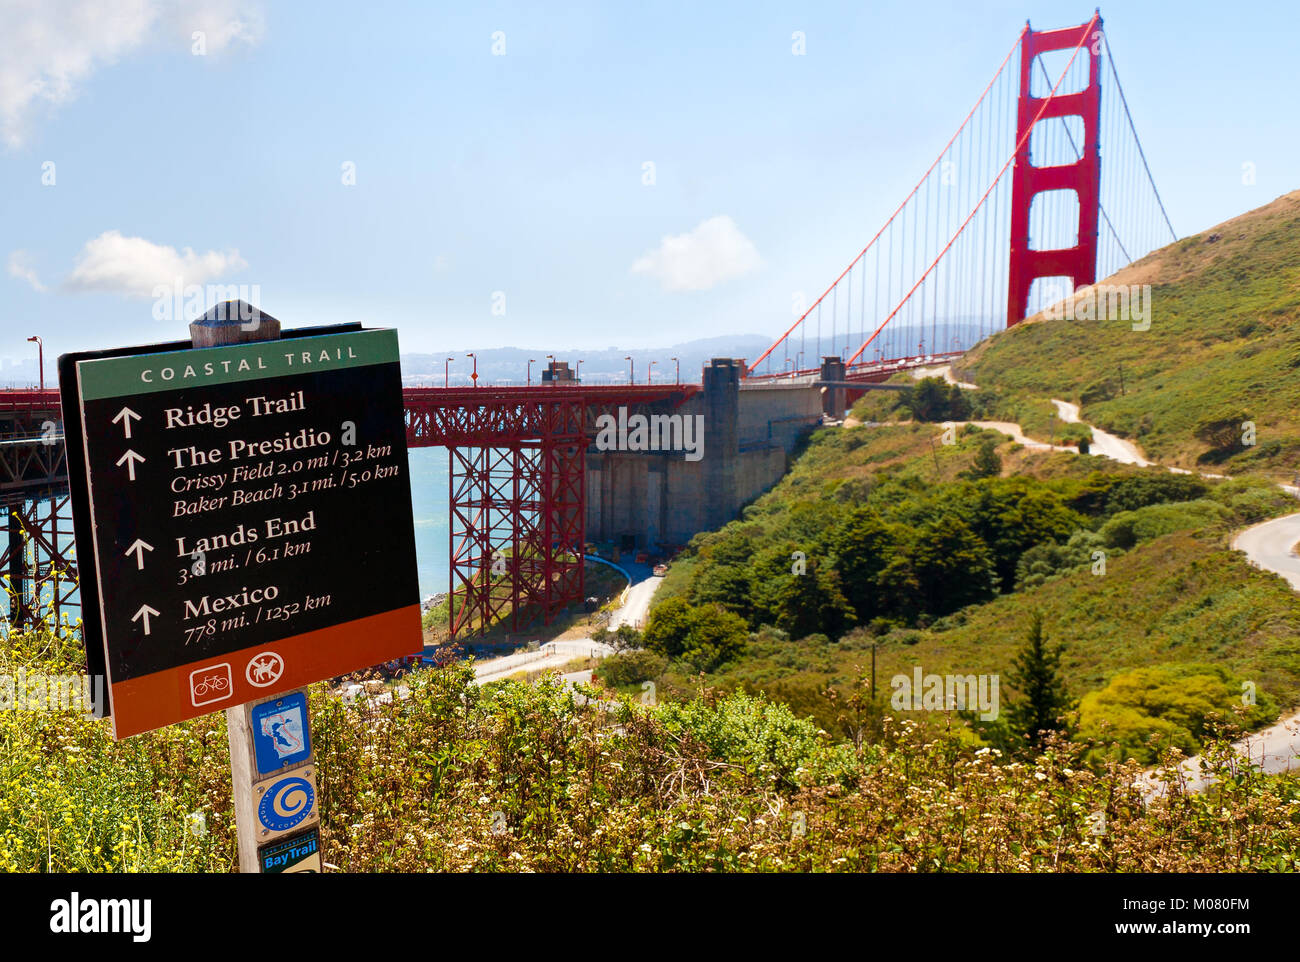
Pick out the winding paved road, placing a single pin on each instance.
(555, 654)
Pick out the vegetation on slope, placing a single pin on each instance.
(1223, 348)
(516, 777)
(908, 551)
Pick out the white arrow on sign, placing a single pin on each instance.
(144, 612)
(130, 458)
(139, 548)
(125, 415)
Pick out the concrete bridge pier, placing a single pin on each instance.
(721, 410)
(834, 398)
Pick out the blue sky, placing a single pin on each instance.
(523, 173)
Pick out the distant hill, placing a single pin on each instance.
(608, 365)
(1223, 348)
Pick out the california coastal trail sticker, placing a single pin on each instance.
(286, 803)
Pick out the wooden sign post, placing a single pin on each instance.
(242, 505)
(236, 323)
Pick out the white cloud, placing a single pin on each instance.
(20, 268)
(49, 47)
(715, 251)
(134, 266)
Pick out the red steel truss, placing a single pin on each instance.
(38, 561)
(517, 491)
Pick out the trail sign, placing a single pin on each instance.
(281, 734)
(295, 853)
(286, 803)
(243, 515)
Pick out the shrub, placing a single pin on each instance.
(1174, 702)
(1142, 490)
(1044, 561)
(1132, 527)
(631, 667)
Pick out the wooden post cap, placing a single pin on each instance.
(233, 322)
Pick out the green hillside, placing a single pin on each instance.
(1223, 348)
(908, 551)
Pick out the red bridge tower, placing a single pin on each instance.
(1083, 176)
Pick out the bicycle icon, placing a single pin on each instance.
(210, 683)
(213, 683)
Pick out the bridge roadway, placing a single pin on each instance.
(527, 459)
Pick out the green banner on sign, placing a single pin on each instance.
(176, 370)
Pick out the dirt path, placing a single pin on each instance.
(1103, 442)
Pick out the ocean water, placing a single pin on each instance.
(429, 506)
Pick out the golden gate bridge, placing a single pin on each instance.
(1044, 187)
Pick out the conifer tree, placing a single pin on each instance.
(1036, 673)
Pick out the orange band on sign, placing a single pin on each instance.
(199, 688)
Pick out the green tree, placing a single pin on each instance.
(1011, 515)
(703, 637)
(987, 463)
(715, 637)
(729, 585)
(952, 566)
(863, 546)
(813, 602)
(668, 625)
(933, 399)
(1036, 673)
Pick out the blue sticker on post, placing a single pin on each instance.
(287, 803)
(280, 735)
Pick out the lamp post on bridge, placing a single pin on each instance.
(446, 372)
(474, 376)
(678, 375)
(40, 357)
(577, 371)
(551, 358)
(631, 369)
(529, 382)
(650, 373)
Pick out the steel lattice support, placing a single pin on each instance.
(1083, 176)
(38, 561)
(566, 513)
(518, 509)
(37, 556)
(481, 532)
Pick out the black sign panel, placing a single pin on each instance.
(249, 510)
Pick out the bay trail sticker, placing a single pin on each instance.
(292, 854)
(280, 732)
